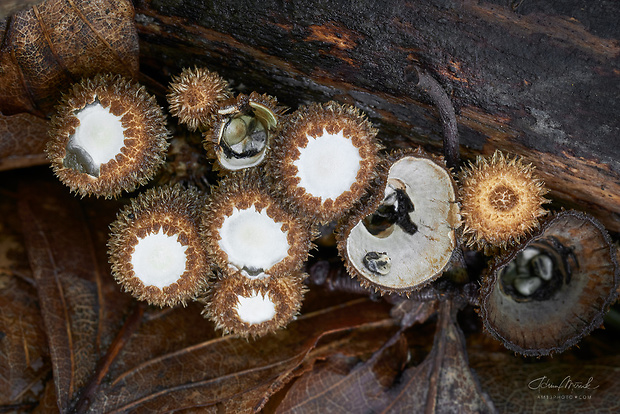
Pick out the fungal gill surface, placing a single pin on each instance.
(324, 159)
(159, 259)
(548, 293)
(97, 140)
(404, 239)
(327, 167)
(253, 241)
(155, 247)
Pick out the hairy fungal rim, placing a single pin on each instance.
(196, 95)
(340, 124)
(245, 192)
(285, 294)
(144, 144)
(501, 201)
(161, 212)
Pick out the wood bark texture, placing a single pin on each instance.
(538, 79)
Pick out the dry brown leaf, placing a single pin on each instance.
(24, 359)
(57, 42)
(70, 284)
(223, 370)
(519, 385)
(8, 7)
(22, 141)
(344, 384)
(443, 382)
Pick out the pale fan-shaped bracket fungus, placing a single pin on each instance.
(405, 236)
(243, 130)
(545, 295)
(155, 247)
(501, 201)
(250, 307)
(325, 159)
(196, 95)
(108, 135)
(247, 231)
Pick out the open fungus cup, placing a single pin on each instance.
(107, 136)
(242, 306)
(548, 293)
(324, 159)
(155, 247)
(405, 235)
(248, 231)
(242, 132)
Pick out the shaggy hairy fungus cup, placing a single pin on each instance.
(155, 247)
(243, 131)
(195, 96)
(501, 201)
(247, 231)
(547, 294)
(325, 159)
(404, 238)
(246, 307)
(108, 135)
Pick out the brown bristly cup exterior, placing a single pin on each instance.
(176, 211)
(285, 291)
(312, 120)
(146, 136)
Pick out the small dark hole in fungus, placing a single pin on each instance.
(252, 271)
(394, 210)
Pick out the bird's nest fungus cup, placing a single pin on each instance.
(404, 236)
(242, 132)
(155, 247)
(324, 160)
(107, 136)
(545, 295)
(501, 201)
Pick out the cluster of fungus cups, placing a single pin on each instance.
(240, 250)
(551, 279)
(258, 248)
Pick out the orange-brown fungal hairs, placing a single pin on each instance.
(501, 200)
(247, 230)
(155, 247)
(195, 96)
(107, 136)
(324, 159)
(240, 306)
